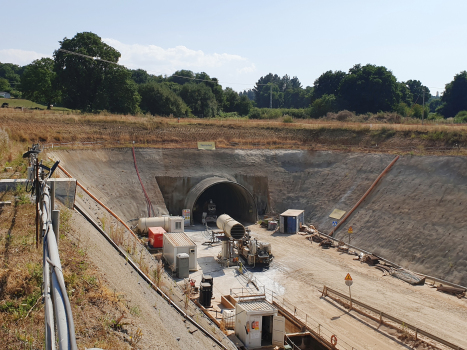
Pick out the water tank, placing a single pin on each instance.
(145, 223)
(232, 228)
(168, 223)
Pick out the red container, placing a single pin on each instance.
(156, 236)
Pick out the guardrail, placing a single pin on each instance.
(58, 315)
(434, 279)
(380, 316)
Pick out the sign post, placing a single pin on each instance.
(350, 231)
(348, 281)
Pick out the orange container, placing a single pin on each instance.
(156, 236)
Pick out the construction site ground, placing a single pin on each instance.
(300, 269)
(298, 273)
(320, 182)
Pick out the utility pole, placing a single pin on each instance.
(423, 111)
(270, 96)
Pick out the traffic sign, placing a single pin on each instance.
(348, 283)
(350, 230)
(348, 278)
(334, 223)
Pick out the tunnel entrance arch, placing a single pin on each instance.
(230, 198)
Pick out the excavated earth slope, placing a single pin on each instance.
(414, 216)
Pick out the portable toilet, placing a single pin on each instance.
(156, 237)
(291, 220)
(257, 324)
(183, 265)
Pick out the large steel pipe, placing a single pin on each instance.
(232, 228)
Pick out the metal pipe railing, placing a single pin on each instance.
(58, 315)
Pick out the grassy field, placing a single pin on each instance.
(18, 102)
(19, 129)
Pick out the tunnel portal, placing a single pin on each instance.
(230, 198)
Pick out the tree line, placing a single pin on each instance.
(99, 83)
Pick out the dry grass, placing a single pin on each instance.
(95, 307)
(341, 132)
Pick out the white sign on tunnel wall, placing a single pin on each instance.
(207, 145)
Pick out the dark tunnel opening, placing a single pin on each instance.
(230, 198)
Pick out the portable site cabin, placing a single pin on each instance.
(257, 324)
(176, 243)
(291, 220)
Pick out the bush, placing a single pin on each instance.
(461, 117)
(344, 115)
(296, 113)
(287, 119)
(322, 106)
(265, 113)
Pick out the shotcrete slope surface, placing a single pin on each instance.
(413, 217)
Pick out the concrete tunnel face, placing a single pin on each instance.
(230, 198)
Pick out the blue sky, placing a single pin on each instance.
(240, 41)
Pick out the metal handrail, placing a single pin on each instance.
(58, 315)
(54, 284)
(382, 315)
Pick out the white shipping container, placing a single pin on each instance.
(176, 243)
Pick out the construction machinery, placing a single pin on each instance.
(210, 215)
(254, 251)
(238, 241)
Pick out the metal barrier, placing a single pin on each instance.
(58, 315)
(379, 316)
(316, 329)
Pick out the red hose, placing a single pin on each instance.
(148, 201)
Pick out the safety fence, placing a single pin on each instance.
(316, 328)
(410, 331)
(59, 324)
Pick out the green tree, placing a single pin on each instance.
(182, 77)
(38, 82)
(328, 83)
(159, 99)
(200, 99)
(454, 98)
(323, 105)
(418, 91)
(4, 85)
(94, 84)
(262, 91)
(434, 103)
(369, 88)
(213, 84)
(244, 105)
(233, 102)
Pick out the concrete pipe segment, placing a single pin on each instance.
(232, 228)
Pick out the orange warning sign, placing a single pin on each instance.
(348, 278)
(350, 230)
